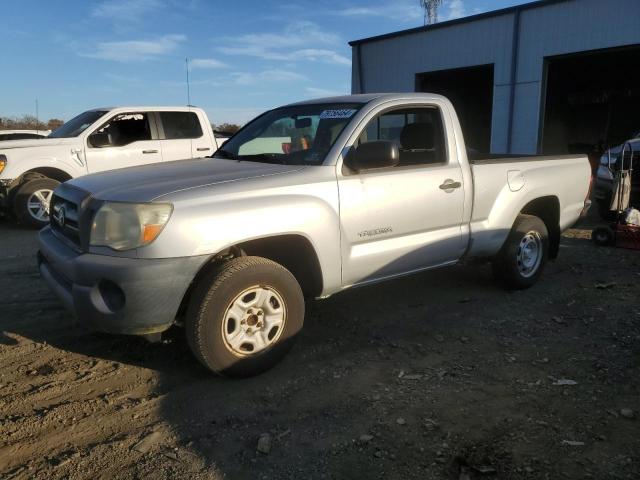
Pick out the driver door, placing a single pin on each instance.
(400, 219)
(125, 140)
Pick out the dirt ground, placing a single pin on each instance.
(441, 375)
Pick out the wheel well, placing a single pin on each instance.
(294, 252)
(548, 210)
(48, 172)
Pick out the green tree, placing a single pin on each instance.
(225, 127)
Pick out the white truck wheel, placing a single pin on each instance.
(31, 201)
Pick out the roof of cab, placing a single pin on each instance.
(369, 97)
(149, 108)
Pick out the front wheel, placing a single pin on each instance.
(244, 316)
(522, 258)
(31, 202)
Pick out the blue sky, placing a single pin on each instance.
(246, 56)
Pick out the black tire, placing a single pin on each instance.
(22, 196)
(603, 236)
(508, 266)
(212, 297)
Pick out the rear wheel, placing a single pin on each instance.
(31, 202)
(603, 236)
(524, 255)
(243, 317)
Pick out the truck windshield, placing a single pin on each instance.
(296, 135)
(77, 125)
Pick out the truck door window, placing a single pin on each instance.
(418, 132)
(126, 128)
(180, 125)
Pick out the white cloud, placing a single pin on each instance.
(302, 41)
(317, 54)
(206, 63)
(125, 11)
(362, 11)
(267, 76)
(136, 50)
(295, 34)
(457, 9)
(405, 10)
(324, 92)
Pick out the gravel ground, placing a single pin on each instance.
(441, 375)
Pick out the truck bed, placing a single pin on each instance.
(484, 159)
(504, 183)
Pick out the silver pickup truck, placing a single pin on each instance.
(306, 200)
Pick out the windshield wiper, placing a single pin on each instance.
(263, 158)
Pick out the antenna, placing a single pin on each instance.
(430, 10)
(37, 118)
(186, 61)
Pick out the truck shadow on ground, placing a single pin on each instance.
(327, 320)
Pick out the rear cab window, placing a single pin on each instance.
(180, 125)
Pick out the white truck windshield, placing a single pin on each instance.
(77, 125)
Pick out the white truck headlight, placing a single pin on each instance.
(3, 162)
(123, 226)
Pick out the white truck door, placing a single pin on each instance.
(183, 136)
(125, 140)
(404, 218)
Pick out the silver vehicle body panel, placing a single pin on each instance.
(364, 227)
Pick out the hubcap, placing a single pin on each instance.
(38, 205)
(529, 254)
(254, 320)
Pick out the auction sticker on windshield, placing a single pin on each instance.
(345, 113)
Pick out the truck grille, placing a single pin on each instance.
(66, 210)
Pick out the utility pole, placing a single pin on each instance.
(37, 117)
(186, 61)
(430, 10)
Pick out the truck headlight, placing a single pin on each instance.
(123, 226)
(3, 162)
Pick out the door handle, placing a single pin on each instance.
(77, 155)
(149, 151)
(203, 149)
(450, 185)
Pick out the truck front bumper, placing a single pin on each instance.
(115, 294)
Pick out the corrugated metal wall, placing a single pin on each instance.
(391, 64)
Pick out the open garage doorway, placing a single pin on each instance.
(592, 101)
(471, 92)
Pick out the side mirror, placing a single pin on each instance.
(378, 154)
(99, 140)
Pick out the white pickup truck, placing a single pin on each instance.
(95, 141)
(307, 199)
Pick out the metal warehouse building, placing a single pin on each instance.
(554, 76)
